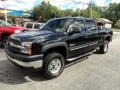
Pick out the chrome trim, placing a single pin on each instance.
(78, 47)
(93, 43)
(83, 46)
(17, 46)
(34, 64)
(74, 58)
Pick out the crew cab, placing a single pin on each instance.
(60, 40)
(7, 29)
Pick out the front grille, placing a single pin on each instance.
(17, 42)
(12, 48)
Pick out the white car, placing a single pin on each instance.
(33, 25)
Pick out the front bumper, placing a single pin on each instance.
(34, 61)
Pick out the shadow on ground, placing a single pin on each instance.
(10, 74)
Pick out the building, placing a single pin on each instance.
(104, 23)
(16, 16)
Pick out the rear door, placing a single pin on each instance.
(92, 34)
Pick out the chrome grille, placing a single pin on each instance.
(16, 42)
(12, 47)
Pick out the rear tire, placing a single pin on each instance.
(53, 65)
(104, 48)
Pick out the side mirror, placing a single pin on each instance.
(75, 29)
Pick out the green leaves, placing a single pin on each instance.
(117, 24)
(46, 11)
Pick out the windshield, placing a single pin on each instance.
(3, 23)
(57, 25)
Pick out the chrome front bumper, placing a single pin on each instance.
(34, 64)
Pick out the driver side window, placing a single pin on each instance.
(80, 24)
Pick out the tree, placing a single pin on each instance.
(46, 11)
(117, 24)
(112, 12)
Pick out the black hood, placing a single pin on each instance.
(31, 35)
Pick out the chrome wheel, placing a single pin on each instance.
(55, 66)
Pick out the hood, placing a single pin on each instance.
(32, 35)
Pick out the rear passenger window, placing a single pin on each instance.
(90, 25)
(29, 25)
(36, 26)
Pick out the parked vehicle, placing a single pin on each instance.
(61, 40)
(7, 29)
(33, 25)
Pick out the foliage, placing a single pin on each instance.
(46, 11)
(112, 12)
(117, 24)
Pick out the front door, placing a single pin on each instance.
(77, 41)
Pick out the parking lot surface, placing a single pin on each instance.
(98, 72)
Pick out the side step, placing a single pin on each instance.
(68, 64)
(78, 57)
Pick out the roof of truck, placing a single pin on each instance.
(74, 18)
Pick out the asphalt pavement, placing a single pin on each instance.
(97, 72)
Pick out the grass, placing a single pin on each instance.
(116, 30)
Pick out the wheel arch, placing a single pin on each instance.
(108, 38)
(61, 48)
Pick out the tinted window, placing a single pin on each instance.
(29, 25)
(36, 26)
(90, 25)
(57, 25)
(80, 23)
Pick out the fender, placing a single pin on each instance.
(53, 45)
(104, 37)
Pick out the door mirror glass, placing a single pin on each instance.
(75, 29)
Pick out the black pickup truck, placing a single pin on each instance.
(60, 40)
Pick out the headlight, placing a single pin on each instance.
(27, 48)
(17, 31)
(27, 44)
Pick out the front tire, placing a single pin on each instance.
(104, 48)
(53, 65)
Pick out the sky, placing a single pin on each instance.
(62, 4)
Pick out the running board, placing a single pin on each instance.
(68, 64)
(78, 57)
